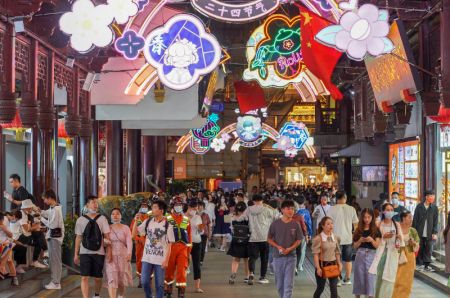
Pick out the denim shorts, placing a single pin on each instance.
(346, 252)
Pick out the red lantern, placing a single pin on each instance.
(443, 115)
(62, 133)
(15, 124)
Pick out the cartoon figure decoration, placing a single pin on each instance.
(208, 131)
(361, 31)
(182, 51)
(293, 137)
(248, 128)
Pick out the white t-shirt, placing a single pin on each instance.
(16, 229)
(344, 216)
(210, 210)
(81, 224)
(196, 234)
(24, 221)
(320, 210)
(157, 240)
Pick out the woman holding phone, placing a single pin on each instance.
(386, 260)
(366, 240)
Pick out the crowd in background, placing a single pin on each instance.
(272, 227)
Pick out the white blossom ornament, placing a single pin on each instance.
(218, 145)
(225, 137)
(360, 32)
(88, 26)
(122, 10)
(284, 143)
(291, 152)
(235, 147)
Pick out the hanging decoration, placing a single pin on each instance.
(89, 25)
(249, 128)
(236, 13)
(17, 126)
(361, 31)
(293, 137)
(130, 45)
(202, 137)
(182, 51)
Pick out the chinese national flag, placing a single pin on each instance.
(249, 95)
(318, 58)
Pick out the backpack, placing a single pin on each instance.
(92, 236)
(241, 233)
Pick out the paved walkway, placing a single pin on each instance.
(215, 275)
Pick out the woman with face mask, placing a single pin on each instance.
(221, 228)
(385, 264)
(118, 269)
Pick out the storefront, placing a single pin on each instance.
(404, 172)
(308, 175)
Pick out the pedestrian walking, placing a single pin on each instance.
(285, 235)
(118, 266)
(92, 240)
(52, 218)
(385, 264)
(260, 218)
(196, 224)
(19, 193)
(159, 237)
(240, 235)
(327, 258)
(345, 220)
(405, 272)
(206, 221)
(425, 221)
(302, 211)
(139, 239)
(366, 239)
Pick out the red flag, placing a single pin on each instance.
(249, 95)
(318, 58)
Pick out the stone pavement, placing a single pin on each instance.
(216, 271)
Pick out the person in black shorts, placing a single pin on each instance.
(91, 261)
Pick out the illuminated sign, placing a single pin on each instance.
(293, 137)
(274, 54)
(182, 51)
(249, 128)
(130, 45)
(361, 31)
(236, 13)
(202, 137)
(89, 25)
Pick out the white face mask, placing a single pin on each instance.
(116, 221)
(178, 209)
(192, 213)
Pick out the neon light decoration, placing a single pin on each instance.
(182, 51)
(130, 45)
(200, 139)
(361, 31)
(88, 26)
(236, 13)
(293, 135)
(249, 128)
(122, 10)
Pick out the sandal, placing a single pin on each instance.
(199, 290)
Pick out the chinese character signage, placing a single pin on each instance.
(182, 51)
(236, 13)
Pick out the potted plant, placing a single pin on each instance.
(68, 245)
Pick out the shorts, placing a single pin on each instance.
(92, 265)
(346, 252)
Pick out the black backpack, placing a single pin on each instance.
(241, 233)
(92, 236)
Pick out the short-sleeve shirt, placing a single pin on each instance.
(157, 240)
(330, 247)
(285, 234)
(344, 217)
(366, 233)
(24, 221)
(80, 226)
(196, 234)
(20, 194)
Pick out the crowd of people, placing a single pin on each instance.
(273, 227)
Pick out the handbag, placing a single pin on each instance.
(329, 271)
(56, 233)
(402, 259)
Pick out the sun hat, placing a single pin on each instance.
(27, 204)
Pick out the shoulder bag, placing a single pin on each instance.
(329, 271)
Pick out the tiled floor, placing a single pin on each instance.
(215, 275)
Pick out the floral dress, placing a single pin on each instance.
(118, 270)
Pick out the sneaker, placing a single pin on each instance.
(300, 268)
(188, 270)
(232, 279)
(429, 269)
(339, 284)
(420, 268)
(198, 290)
(346, 282)
(96, 296)
(246, 280)
(53, 286)
(222, 248)
(263, 280)
(271, 272)
(15, 281)
(250, 280)
(36, 264)
(296, 272)
(20, 270)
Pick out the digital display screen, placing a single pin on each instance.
(374, 173)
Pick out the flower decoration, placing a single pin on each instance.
(291, 152)
(182, 51)
(122, 10)
(360, 32)
(225, 137)
(284, 143)
(288, 44)
(235, 147)
(218, 145)
(88, 25)
(130, 44)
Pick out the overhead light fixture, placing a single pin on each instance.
(89, 81)
(19, 26)
(70, 61)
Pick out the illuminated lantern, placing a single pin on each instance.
(15, 125)
(182, 51)
(443, 116)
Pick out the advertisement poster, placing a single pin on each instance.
(445, 136)
(404, 169)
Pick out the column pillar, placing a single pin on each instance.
(148, 160)
(76, 207)
(8, 79)
(94, 157)
(114, 158)
(2, 165)
(159, 175)
(445, 53)
(85, 146)
(133, 160)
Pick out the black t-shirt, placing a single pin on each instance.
(366, 233)
(20, 194)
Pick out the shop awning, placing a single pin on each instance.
(373, 155)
